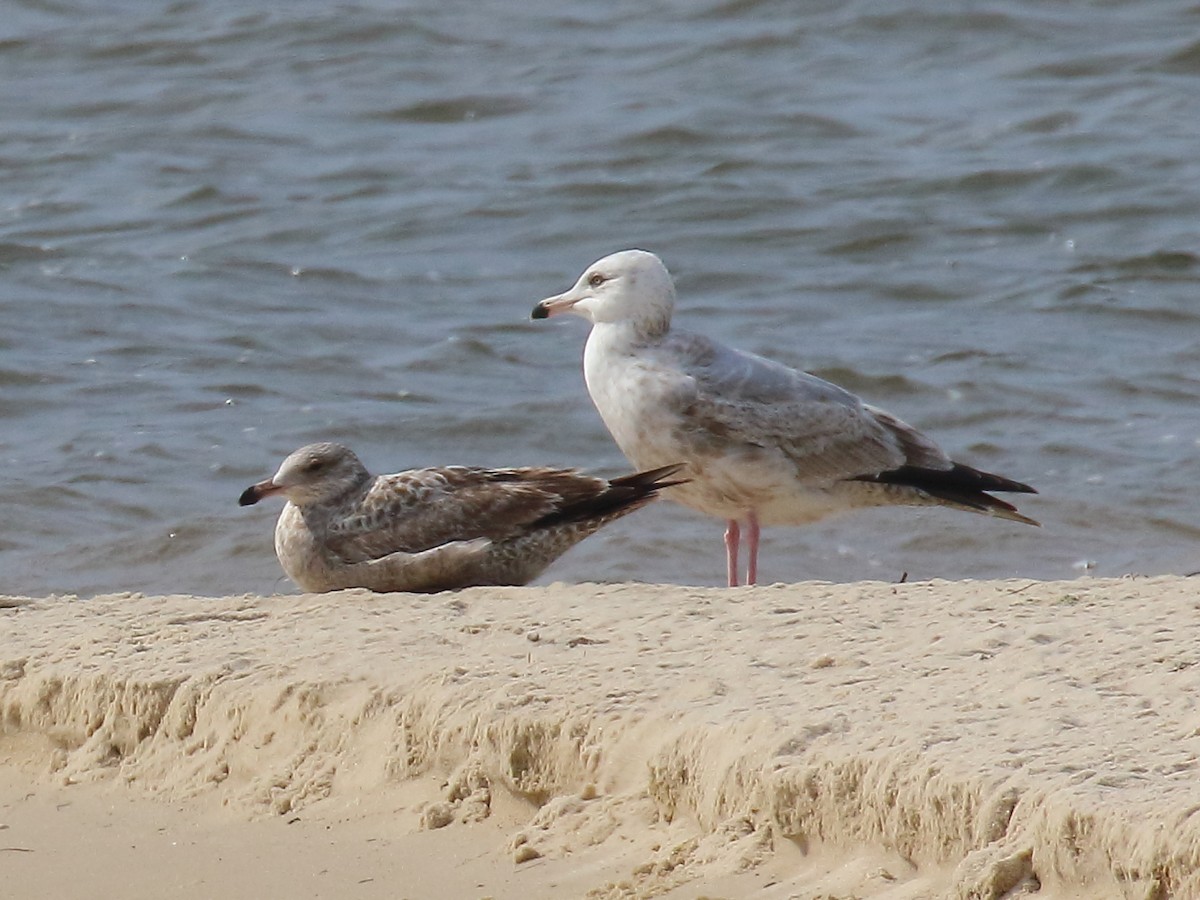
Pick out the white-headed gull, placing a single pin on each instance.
(763, 444)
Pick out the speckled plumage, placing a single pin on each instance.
(763, 443)
(438, 528)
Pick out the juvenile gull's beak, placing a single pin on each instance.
(552, 306)
(256, 492)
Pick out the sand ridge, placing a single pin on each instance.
(970, 739)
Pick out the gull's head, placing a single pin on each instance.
(631, 286)
(313, 474)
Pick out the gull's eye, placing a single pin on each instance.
(596, 279)
(314, 465)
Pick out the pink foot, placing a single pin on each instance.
(733, 535)
(752, 548)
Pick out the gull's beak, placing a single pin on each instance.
(552, 306)
(256, 492)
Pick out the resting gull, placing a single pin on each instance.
(435, 529)
(763, 444)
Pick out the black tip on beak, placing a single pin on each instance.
(539, 312)
(250, 496)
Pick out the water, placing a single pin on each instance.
(225, 234)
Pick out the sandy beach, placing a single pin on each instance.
(870, 740)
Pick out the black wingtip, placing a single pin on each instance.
(621, 495)
(652, 479)
(957, 478)
(960, 485)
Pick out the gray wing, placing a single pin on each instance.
(425, 509)
(730, 400)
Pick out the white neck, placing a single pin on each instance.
(613, 375)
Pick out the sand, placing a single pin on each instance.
(962, 740)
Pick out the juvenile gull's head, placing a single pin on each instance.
(314, 474)
(631, 286)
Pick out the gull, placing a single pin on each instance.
(763, 444)
(435, 529)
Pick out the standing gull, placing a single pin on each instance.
(764, 444)
(435, 529)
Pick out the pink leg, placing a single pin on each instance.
(752, 548)
(733, 535)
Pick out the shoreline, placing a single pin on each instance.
(878, 740)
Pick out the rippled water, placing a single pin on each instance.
(227, 233)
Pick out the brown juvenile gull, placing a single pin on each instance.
(763, 444)
(435, 529)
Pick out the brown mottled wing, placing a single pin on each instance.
(425, 508)
(735, 402)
